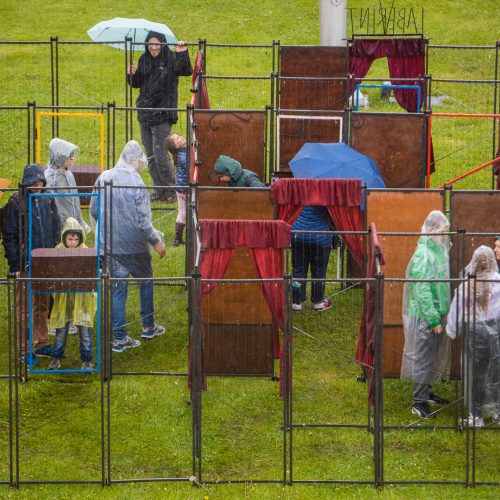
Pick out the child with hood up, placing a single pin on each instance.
(230, 171)
(79, 308)
(58, 174)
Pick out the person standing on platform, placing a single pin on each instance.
(157, 76)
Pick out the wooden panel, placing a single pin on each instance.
(315, 62)
(64, 263)
(86, 175)
(233, 204)
(395, 142)
(476, 212)
(238, 350)
(237, 303)
(295, 132)
(238, 135)
(395, 211)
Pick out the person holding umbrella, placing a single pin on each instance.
(157, 77)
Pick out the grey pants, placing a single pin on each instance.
(426, 348)
(160, 165)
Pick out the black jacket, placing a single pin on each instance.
(158, 78)
(45, 222)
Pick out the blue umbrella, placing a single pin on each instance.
(335, 161)
(119, 28)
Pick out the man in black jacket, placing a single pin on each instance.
(157, 76)
(44, 234)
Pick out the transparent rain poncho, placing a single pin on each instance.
(80, 308)
(67, 206)
(426, 304)
(128, 226)
(475, 314)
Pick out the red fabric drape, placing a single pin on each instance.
(198, 65)
(349, 219)
(342, 197)
(405, 58)
(365, 353)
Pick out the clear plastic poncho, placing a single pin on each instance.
(80, 308)
(67, 206)
(128, 208)
(426, 354)
(475, 314)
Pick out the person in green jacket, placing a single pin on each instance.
(79, 308)
(425, 306)
(230, 171)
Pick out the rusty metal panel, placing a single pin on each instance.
(398, 211)
(233, 204)
(476, 212)
(238, 349)
(395, 142)
(239, 135)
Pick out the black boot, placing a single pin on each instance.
(179, 229)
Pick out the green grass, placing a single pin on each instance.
(150, 416)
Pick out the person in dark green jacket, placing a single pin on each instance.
(425, 306)
(231, 172)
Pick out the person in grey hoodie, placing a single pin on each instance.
(128, 238)
(58, 174)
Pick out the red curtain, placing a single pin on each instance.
(405, 58)
(198, 65)
(342, 197)
(365, 353)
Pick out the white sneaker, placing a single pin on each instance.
(471, 421)
(496, 418)
(323, 305)
(296, 307)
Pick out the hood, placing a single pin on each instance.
(33, 172)
(73, 226)
(161, 37)
(132, 157)
(59, 152)
(225, 165)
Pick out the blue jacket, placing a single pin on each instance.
(181, 175)
(44, 222)
(310, 219)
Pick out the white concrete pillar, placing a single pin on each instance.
(332, 22)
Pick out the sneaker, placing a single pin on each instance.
(124, 344)
(323, 305)
(296, 307)
(26, 358)
(422, 410)
(496, 418)
(436, 400)
(472, 421)
(55, 364)
(151, 333)
(44, 352)
(87, 365)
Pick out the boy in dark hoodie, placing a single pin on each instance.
(230, 171)
(45, 234)
(157, 76)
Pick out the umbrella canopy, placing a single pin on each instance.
(119, 28)
(335, 161)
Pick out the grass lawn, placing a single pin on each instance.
(150, 418)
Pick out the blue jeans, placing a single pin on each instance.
(137, 266)
(85, 342)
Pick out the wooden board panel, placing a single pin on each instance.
(238, 135)
(238, 349)
(233, 204)
(237, 303)
(475, 212)
(395, 142)
(397, 211)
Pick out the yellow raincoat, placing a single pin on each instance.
(80, 308)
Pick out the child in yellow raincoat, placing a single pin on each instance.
(78, 308)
